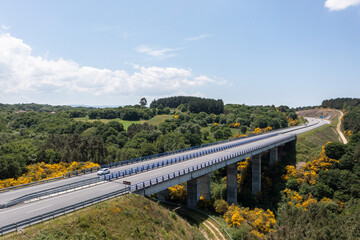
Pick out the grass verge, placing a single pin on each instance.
(126, 217)
(309, 144)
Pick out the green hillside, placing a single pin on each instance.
(153, 121)
(126, 217)
(309, 144)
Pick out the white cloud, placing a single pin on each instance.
(5, 27)
(23, 74)
(199, 37)
(158, 52)
(335, 5)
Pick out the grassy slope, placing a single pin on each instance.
(309, 144)
(198, 219)
(154, 121)
(126, 217)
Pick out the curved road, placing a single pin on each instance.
(27, 210)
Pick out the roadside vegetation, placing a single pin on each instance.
(33, 134)
(126, 217)
(318, 200)
(308, 145)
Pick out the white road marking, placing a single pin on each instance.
(40, 208)
(108, 188)
(13, 209)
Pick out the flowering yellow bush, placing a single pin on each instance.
(348, 133)
(176, 116)
(261, 130)
(259, 220)
(215, 124)
(325, 200)
(257, 131)
(299, 201)
(308, 173)
(239, 136)
(221, 206)
(41, 171)
(242, 166)
(292, 122)
(234, 125)
(178, 193)
(203, 203)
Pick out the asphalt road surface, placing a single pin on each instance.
(31, 209)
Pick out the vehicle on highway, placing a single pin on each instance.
(103, 171)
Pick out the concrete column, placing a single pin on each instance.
(256, 173)
(274, 156)
(231, 190)
(198, 187)
(205, 186)
(163, 195)
(193, 192)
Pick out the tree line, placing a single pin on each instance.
(33, 136)
(192, 104)
(341, 103)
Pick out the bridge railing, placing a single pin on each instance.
(127, 162)
(135, 160)
(30, 184)
(166, 162)
(132, 188)
(166, 177)
(127, 172)
(154, 156)
(51, 191)
(52, 214)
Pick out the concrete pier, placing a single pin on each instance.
(256, 173)
(274, 156)
(231, 190)
(198, 187)
(205, 186)
(163, 195)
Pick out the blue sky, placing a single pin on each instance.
(277, 52)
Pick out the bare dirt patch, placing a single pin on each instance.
(338, 129)
(328, 114)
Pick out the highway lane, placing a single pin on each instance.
(5, 197)
(25, 211)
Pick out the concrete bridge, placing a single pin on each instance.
(197, 176)
(150, 176)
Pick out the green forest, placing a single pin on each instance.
(34, 133)
(320, 200)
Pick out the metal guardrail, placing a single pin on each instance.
(135, 160)
(127, 172)
(305, 126)
(140, 169)
(132, 188)
(166, 177)
(30, 184)
(151, 157)
(52, 214)
(50, 191)
(131, 161)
